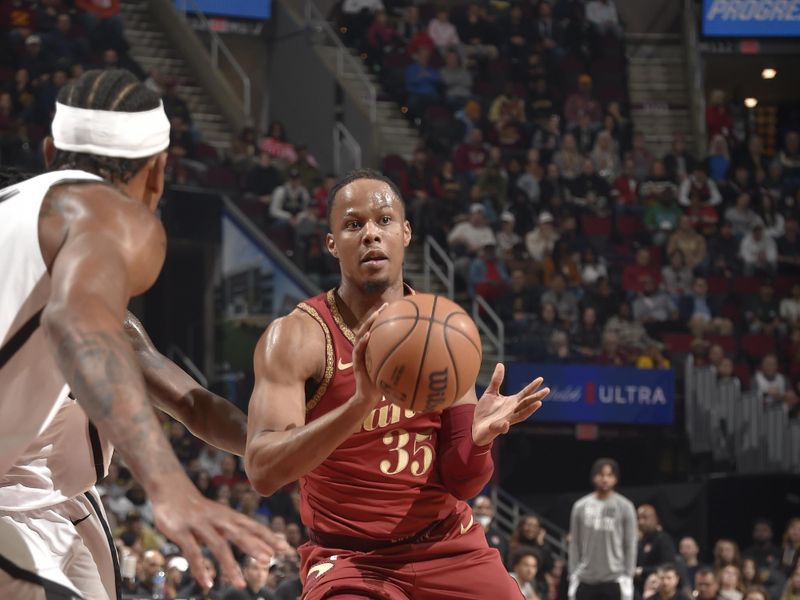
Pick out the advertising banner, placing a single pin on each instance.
(751, 18)
(594, 394)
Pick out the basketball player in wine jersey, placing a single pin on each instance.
(382, 488)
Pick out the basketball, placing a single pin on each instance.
(424, 352)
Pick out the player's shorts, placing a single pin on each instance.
(61, 552)
(453, 561)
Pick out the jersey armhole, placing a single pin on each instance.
(312, 402)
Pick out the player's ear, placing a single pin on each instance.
(48, 150)
(330, 243)
(406, 233)
(154, 183)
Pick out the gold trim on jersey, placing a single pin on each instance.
(330, 298)
(328, 375)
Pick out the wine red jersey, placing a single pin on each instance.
(383, 482)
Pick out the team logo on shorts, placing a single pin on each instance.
(320, 569)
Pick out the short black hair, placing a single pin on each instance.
(703, 571)
(113, 90)
(605, 462)
(669, 566)
(355, 176)
(524, 551)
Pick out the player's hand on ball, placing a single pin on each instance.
(495, 414)
(191, 521)
(367, 392)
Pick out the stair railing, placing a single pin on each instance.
(508, 510)
(445, 272)
(482, 313)
(217, 46)
(694, 76)
(347, 66)
(343, 141)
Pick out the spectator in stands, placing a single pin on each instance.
(774, 221)
(306, 165)
(35, 61)
(581, 102)
(611, 354)
(134, 531)
(593, 267)
(631, 335)
(590, 191)
(753, 158)
(788, 247)
(657, 182)
(541, 240)
(561, 262)
(688, 553)
(193, 588)
(653, 357)
(655, 546)
(742, 217)
(718, 117)
(418, 189)
(509, 105)
(507, 238)
(528, 182)
(654, 309)
(701, 313)
(548, 34)
(763, 312)
(541, 331)
(650, 588)
(790, 546)
(230, 474)
(698, 182)
(740, 183)
(483, 509)
(676, 276)
(625, 190)
(63, 43)
(770, 385)
(547, 137)
(706, 585)
(488, 275)
(476, 34)
(792, 589)
(723, 251)
(585, 132)
(152, 562)
(633, 275)
(410, 25)
(468, 237)
(565, 301)
(726, 552)
(763, 550)
(262, 178)
(524, 567)
(703, 217)
(691, 244)
(789, 156)
(679, 162)
(643, 159)
(602, 14)
(422, 81)
(529, 533)
(276, 144)
(443, 32)
(515, 35)
(662, 218)
(356, 15)
(174, 105)
(255, 576)
(790, 307)
(381, 39)
(568, 159)
(292, 211)
(471, 156)
(669, 578)
(457, 80)
(587, 335)
(730, 583)
(719, 159)
(759, 252)
(606, 157)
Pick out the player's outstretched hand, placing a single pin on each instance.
(495, 414)
(192, 521)
(366, 389)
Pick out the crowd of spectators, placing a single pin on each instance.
(764, 570)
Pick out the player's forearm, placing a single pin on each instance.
(276, 458)
(100, 368)
(464, 467)
(206, 415)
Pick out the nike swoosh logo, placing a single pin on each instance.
(320, 569)
(343, 366)
(81, 520)
(468, 527)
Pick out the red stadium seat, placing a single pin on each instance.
(718, 285)
(205, 153)
(783, 284)
(746, 285)
(596, 226)
(728, 342)
(756, 345)
(742, 371)
(629, 225)
(222, 178)
(678, 342)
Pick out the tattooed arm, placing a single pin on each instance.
(209, 417)
(112, 249)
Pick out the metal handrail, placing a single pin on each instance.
(343, 138)
(188, 364)
(498, 339)
(447, 276)
(316, 21)
(504, 502)
(217, 46)
(694, 76)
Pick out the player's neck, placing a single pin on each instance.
(361, 305)
(600, 495)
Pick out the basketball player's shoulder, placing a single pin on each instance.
(292, 343)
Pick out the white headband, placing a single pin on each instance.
(111, 133)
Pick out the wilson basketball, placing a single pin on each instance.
(424, 352)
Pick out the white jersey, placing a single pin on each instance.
(45, 438)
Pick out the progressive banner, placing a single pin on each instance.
(594, 394)
(751, 18)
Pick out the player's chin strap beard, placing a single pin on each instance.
(376, 287)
